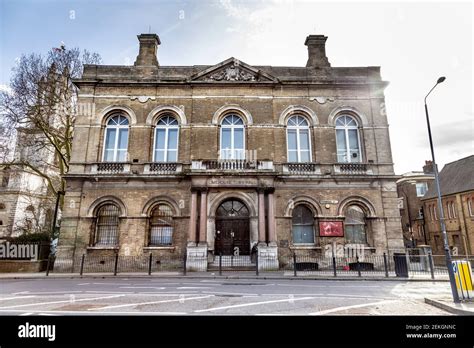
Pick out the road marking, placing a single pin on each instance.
(14, 298)
(111, 283)
(253, 304)
(83, 284)
(229, 293)
(143, 287)
(194, 287)
(43, 312)
(55, 292)
(27, 313)
(147, 303)
(66, 301)
(338, 309)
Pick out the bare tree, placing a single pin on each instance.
(38, 109)
(41, 106)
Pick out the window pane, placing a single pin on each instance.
(225, 141)
(292, 139)
(304, 139)
(239, 154)
(341, 139)
(160, 139)
(109, 155)
(110, 138)
(292, 156)
(161, 235)
(123, 139)
(159, 155)
(121, 155)
(173, 139)
(304, 156)
(354, 145)
(238, 138)
(172, 155)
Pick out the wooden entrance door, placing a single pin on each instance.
(232, 228)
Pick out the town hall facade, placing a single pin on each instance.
(197, 161)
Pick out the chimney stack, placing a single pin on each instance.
(317, 51)
(148, 47)
(428, 167)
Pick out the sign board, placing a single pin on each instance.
(331, 229)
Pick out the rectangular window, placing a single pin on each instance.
(355, 234)
(421, 188)
(469, 207)
(354, 145)
(161, 235)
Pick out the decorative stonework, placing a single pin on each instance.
(232, 73)
(143, 98)
(322, 100)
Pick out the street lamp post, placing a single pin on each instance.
(449, 263)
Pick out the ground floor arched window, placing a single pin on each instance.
(302, 225)
(161, 225)
(107, 225)
(355, 226)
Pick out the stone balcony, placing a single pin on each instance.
(231, 166)
(162, 168)
(301, 168)
(353, 169)
(110, 168)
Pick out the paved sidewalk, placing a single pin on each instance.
(225, 275)
(463, 308)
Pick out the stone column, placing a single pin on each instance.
(192, 219)
(261, 217)
(271, 219)
(203, 218)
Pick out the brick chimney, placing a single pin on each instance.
(317, 51)
(148, 47)
(428, 167)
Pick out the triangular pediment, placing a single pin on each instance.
(232, 70)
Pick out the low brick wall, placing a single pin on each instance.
(27, 266)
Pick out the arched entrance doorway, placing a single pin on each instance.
(232, 228)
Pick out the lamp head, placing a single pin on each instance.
(441, 79)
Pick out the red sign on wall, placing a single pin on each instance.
(331, 229)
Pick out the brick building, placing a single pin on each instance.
(457, 194)
(411, 188)
(217, 159)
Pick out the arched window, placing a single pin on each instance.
(469, 207)
(232, 138)
(107, 225)
(161, 225)
(303, 225)
(347, 139)
(116, 139)
(298, 139)
(166, 140)
(355, 228)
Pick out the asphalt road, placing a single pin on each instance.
(173, 296)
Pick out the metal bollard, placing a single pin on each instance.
(116, 264)
(294, 264)
(385, 264)
(150, 260)
(82, 264)
(334, 266)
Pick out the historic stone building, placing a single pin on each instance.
(203, 160)
(411, 188)
(457, 195)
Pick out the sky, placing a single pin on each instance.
(414, 43)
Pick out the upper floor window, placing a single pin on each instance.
(232, 138)
(469, 207)
(166, 140)
(298, 140)
(116, 139)
(347, 139)
(421, 188)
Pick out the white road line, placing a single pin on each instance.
(83, 284)
(338, 309)
(229, 293)
(15, 298)
(65, 301)
(143, 287)
(253, 304)
(111, 284)
(147, 303)
(43, 312)
(109, 292)
(194, 287)
(54, 292)
(27, 313)
(332, 286)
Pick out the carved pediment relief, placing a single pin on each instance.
(233, 70)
